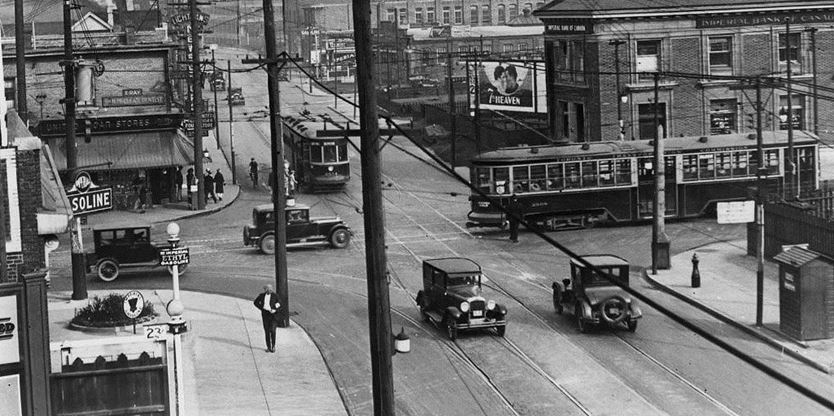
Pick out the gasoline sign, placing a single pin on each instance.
(85, 197)
(133, 304)
(174, 256)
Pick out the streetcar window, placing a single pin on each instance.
(606, 172)
(624, 172)
(572, 175)
(521, 179)
(722, 163)
(315, 153)
(753, 163)
(805, 156)
(772, 162)
(555, 177)
(329, 153)
(690, 167)
(706, 166)
(589, 174)
(671, 167)
(482, 181)
(501, 176)
(537, 178)
(343, 152)
(740, 163)
(645, 169)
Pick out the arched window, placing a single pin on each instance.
(528, 7)
(486, 15)
(502, 13)
(473, 15)
(513, 12)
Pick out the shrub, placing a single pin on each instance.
(109, 311)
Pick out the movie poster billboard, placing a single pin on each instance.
(508, 86)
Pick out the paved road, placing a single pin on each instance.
(542, 367)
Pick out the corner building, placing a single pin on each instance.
(602, 55)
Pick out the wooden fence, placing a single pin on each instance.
(121, 387)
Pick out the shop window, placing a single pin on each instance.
(555, 177)
(486, 15)
(646, 115)
(722, 116)
(721, 55)
(502, 14)
(797, 112)
(648, 59)
(521, 179)
(538, 178)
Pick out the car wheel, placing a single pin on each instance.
(339, 238)
(451, 330)
(181, 271)
(108, 270)
(580, 323)
(557, 301)
(267, 244)
(632, 325)
(501, 330)
(613, 309)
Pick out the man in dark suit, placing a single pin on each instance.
(267, 303)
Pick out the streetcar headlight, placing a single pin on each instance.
(330, 168)
(490, 305)
(464, 306)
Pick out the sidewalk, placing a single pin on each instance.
(728, 292)
(226, 368)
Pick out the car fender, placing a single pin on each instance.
(266, 234)
(636, 312)
(587, 313)
(420, 299)
(500, 309)
(453, 312)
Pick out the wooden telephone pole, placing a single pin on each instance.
(761, 171)
(379, 307)
(197, 103)
(660, 241)
(452, 107)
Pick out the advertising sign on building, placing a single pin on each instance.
(9, 330)
(736, 212)
(86, 198)
(508, 86)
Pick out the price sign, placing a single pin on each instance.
(174, 256)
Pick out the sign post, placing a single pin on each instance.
(133, 305)
(85, 198)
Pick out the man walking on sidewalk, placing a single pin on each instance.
(268, 304)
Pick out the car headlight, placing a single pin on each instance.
(464, 306)
(490, 305)
(330, 168)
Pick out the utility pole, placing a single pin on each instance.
(214, 89)
(791, 175)
(379, 307)
(279, 197)
(452, 121)
(478, 100)
(79, 266)
(197, 103)
(4, 268)
(660, 241)
(620, 123)
(231, 120)
(760, 199)
(20, 62)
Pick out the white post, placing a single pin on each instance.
(175, 309)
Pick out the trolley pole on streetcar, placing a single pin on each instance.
(660, 241)
(379, 307)
(276, 125)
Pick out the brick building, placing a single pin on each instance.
(601, 57)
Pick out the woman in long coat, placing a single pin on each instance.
(218, 184)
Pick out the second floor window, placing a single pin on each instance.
(486, 15)
(722, 116)
(570, 61)
(646, 114)
(798, 114)
(403, 16)
(473, 15)
(791, 52)
(502, 14)
(721, 55)
(458, 15)
(391, 15)
(418, 16)
(513, 12)
(447, 15)
(648, 58)
(430, 15)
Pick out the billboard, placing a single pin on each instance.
(508, 86)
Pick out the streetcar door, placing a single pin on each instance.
(645, 187)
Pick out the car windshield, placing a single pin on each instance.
(461, 280)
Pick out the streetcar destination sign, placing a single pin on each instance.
(174, 256)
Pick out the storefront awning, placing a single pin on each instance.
(127, 151)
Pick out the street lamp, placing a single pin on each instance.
(177, 324)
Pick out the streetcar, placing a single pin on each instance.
(320, 160)
(580, 185)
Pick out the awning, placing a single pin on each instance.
(127, 151)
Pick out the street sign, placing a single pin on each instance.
(174, 256)
(134, 304)
(736, 212)
(85, 197)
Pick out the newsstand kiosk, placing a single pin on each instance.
(806, 281)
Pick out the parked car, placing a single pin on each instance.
(123, 247)
(452, 297)
(302, 230)
(596, 299)
(236, 98)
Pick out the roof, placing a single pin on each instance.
(642, 8)
(601, 260)
(119, 227)
(452, 265)
(462, 32)
(671, 145)
(270, 207)
(798, 256)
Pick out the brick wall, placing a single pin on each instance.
(29, 186)
(756, 54)
(687, 108)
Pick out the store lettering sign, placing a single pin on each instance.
(769, 19)
(9, 330)
(144, 123)
(130, 100)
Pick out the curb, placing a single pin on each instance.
(744, 328)
(204, 212)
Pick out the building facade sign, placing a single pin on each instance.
(9, 330)
(569, 28)
(768, 19)
(130, 100)
(508, 86)
(126, 124)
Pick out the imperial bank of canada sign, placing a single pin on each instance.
(764, 19)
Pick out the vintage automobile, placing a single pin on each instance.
(302, 230)
(597, 299)
(452, 297)
(123, 247)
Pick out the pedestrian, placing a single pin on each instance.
(267, 303)
(208, 186)
(189, 182)
(253, 172)
(219, 180)
(139, 191)
(178, 183)
(514, 209)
